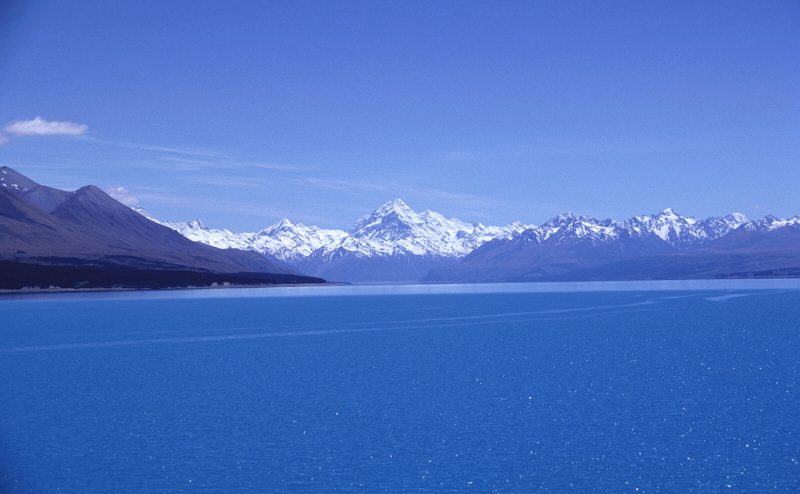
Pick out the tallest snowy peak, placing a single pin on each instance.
(391, 212)
(284, 223)
(397, 206)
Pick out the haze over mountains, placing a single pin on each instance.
(50, 236)
(394, 243)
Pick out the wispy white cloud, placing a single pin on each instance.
(41, 127)
(455, 197)
(275, 166)
(3, 139)
(229, 181)
(123, 195)
(193, 159)
(468, 207)
(235, 207)
(351, 186)
(163, 149)
(419, 196)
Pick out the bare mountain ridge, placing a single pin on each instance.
(44, 226)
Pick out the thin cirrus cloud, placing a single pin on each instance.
(192, 159)
(41, 127)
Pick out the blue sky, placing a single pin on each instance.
(242, 113)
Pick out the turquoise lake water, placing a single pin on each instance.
(607, 387)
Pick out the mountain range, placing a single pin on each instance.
(396, 244)
(662, 246)
(85, 238)
(393, 244)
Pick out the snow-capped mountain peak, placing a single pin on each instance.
(397, 206)
(291, 242)
(567, 225)
(679, 231)
(284, 240)
(395, 231)
(197, 231)
(736, 218)
(563, 219)
(770, 222)
(283, 225)
(393, 213)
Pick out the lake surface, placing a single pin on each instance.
(623, 387)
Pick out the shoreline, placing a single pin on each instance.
(430, 288)
(37, 290)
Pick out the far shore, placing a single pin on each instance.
(54, 289)
(437, 287)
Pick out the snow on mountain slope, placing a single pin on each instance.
(395, 229)
(293, 241)
(284, 240)
(662, 246)
(678, 231)
(399, 236)
(198, 232)
(684, 232)
(391, 230)
(769, 223)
